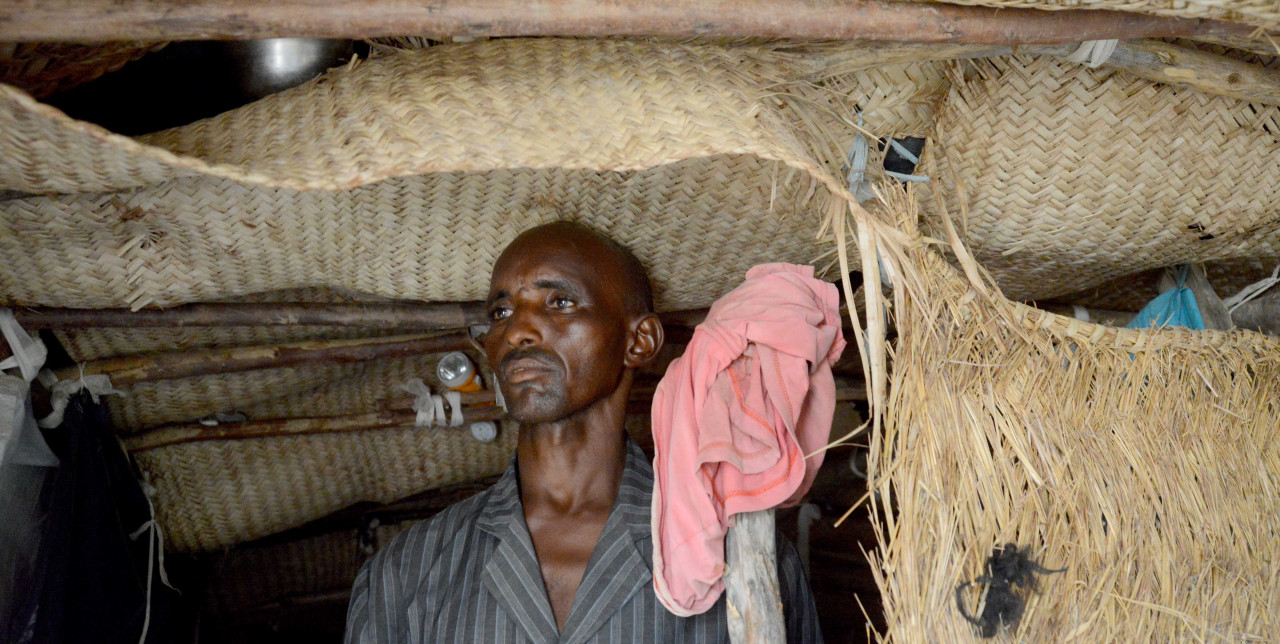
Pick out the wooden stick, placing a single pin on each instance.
(185, 364)
(1153, 60)
(178, 434)
(157, 20)
(400, 316)
(1171, 64)
(416, 316)
(1261, 314)
(640, 391)
(751, 580)
(396, 413)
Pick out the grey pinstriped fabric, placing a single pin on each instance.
(469, 575)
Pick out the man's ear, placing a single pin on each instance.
(644, 341)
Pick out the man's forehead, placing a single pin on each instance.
(554, 261)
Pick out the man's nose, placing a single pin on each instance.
(522, 330)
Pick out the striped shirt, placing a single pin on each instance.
(470, 575)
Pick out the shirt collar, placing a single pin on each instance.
(635, 496)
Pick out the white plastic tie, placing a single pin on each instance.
(859, 152)
(423, 402)
(28, 353)
(98, 385)
(455, 406)
(155, 543)
(438, 404)
(1252, 291)
(1093, 53)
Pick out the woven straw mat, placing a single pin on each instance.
(1077, 176)
(45, 68)
(216, 494)
(1146, 463)
(690, 117)
(254, 576)
(542, 103)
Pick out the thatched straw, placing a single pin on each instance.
(1145, 462)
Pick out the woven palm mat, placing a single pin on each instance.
(430, 237)
(1078, 176)
(597, 104)
(701, 122)
(45, 68)
(257, 576)
(1146, 463)
(216, 494)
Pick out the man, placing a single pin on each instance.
(559, 550)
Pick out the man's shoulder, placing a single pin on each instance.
(427, 537)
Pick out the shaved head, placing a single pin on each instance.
(638, 289)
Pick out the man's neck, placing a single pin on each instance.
(574, 465)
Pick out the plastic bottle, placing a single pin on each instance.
(456, 372)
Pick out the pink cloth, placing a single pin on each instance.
(733, 418)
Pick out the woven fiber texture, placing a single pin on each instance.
(1077, 176)
(431, 237)
(216, 494)
(44, 68)
(1146, 463)
(542, 103)
(1259, 13)
(256, 576)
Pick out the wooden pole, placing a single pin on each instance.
(642, 390)
(180, 433)
(378, 315)
(159, 20)
(399, 316)
(1261, 314)
(185, 364)
(395, 413)
(751, 580)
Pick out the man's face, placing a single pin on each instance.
(558, 326)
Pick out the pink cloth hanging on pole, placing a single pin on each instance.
(733, 419)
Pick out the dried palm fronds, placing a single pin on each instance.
(1147, 463)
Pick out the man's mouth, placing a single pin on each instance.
(524, 369)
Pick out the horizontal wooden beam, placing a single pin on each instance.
(396, 414)
(195, 432)
(846, 390)
(398, 316)
(402, 316)
(158, 20)
(185, 364)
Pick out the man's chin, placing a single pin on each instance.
(536, 410)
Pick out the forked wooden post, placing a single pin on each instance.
(751, 580)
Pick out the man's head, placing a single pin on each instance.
(570, 313)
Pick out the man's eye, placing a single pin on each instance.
(562, 303)
(500, 313)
